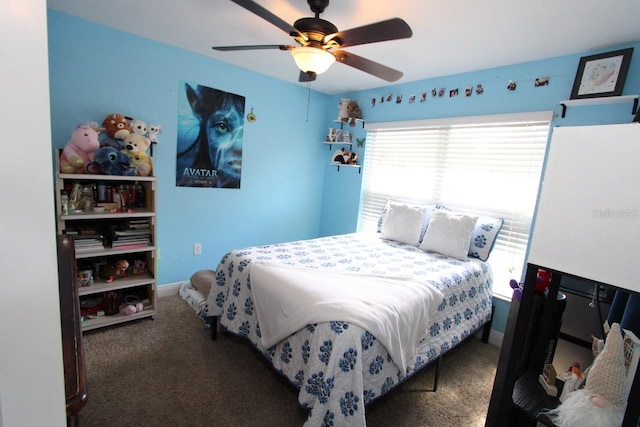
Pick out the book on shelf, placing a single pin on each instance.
(125, 233)
(89, 247)
(120, 243)
(131, 246)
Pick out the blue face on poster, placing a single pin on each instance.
(210, 138)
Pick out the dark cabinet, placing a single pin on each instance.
(517, 398)
(70, 322)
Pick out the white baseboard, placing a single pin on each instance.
(496, 338)
(169, 289)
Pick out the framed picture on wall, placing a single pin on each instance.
(602, 74)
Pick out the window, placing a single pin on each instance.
(489, 165)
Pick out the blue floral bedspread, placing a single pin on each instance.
(339, 367)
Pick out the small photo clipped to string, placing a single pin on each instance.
(541, 81)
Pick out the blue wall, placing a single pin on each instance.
(95, 70)
(345, 187)
(289, 189)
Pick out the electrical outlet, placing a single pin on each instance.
(197, 248)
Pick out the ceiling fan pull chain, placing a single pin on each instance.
(308, 99)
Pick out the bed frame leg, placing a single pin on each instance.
(437, 377)
(486, 330)
(214, 328)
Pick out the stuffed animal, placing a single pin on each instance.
(602, 402)
(138, 126)
(353, 159)
(154, 131)
(142, 163)
(342, 157)
(343, 112)
(116, 126)
(115, 271)
(353, 112)
(109, 161)
(338, 156)
(79, 150)
(135, 146)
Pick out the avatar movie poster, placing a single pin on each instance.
(209, 146)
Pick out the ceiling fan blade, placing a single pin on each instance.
(368, 66)
(253, 47)
(307, 77)
(269, 17)
(391, 29)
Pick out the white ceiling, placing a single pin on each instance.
(449, 36)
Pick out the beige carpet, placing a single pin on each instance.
(168, 372)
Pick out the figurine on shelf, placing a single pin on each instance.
(354, 112)
(573, 380)
(353, 159)
(343, 111)
(331, 136)
(115, 271)
(342, 157)
(602, 401)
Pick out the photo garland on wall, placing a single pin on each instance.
(210, 137)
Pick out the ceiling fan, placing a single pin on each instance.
(320, 42)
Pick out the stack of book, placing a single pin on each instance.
(87, 244)
(138, 233)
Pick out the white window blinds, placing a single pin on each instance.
(490, 168)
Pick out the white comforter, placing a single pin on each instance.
(396, 310)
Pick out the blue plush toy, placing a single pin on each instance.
(109, 161)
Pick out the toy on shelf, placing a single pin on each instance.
(154, 131)
(116, 126)
(115, 271)
(353, 112)
(343, 110)
(135, 147)
(342, 157)
(543, 280)
(109, 161)
(137, 126)
(79, 150)
(602, 401)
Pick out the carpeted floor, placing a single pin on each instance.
(168, 372)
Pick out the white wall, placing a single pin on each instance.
(31, 372)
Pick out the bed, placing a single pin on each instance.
(340, 366)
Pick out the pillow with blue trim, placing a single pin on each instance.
(484, 237)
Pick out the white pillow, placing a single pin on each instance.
(449, 233)
(403, 223)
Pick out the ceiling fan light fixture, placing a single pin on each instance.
(312, 59)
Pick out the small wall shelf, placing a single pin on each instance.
(599, 101)
(339, 165)
(343, 123)
(330, 144)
